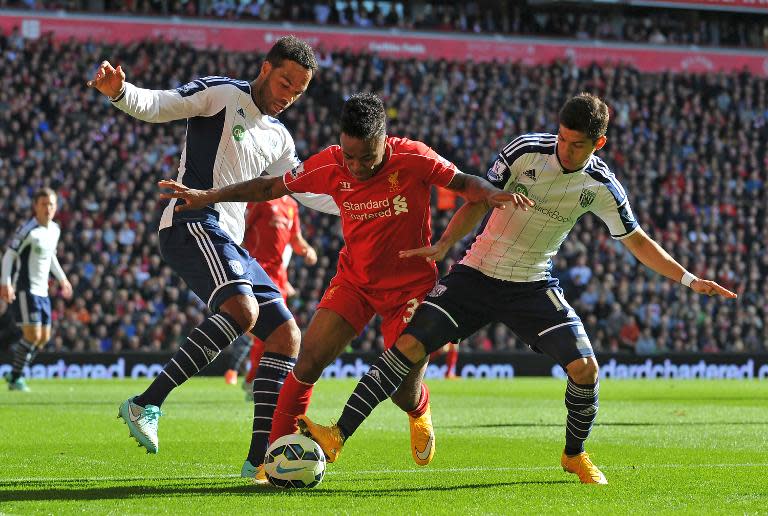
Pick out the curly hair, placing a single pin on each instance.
(292, 49)
(363, 116)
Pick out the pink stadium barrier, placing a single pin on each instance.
(244, 37)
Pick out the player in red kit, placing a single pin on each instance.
(382, 187)
(270, 227)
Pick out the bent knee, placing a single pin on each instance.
(412, 348)
(583, 371)
(33, 334)
(243, 309)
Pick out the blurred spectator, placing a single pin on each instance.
(689, 148)
(646, 343)
(586, 20)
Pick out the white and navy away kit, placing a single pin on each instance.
(229, 140)
(505, 275)
(27, 263)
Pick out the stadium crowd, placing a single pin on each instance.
(690, 149)
(551, 19)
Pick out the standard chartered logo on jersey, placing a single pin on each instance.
(374, 209)
(540, 204)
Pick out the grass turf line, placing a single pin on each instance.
(665, 446)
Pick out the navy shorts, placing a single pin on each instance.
(466, 300)
(32, 309)
(216, 269)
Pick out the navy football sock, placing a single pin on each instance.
(202, 346)
(379, 383)
(582, 404)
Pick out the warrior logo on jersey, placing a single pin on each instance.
(394, 183)
(238, 132)
(586, 198)
(496, 172)
(295, 171)
(236, 267)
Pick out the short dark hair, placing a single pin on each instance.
(43, 192)
(363, 116)
(587, 114)
(293, 49)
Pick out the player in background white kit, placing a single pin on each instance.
(231, 137)
(27, 262)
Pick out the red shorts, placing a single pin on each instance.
(279, 276)
(357, 305)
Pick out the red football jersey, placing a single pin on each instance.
(383, 215)
(269, 227)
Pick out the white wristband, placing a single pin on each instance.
(687, 279)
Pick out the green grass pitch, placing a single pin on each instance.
(665, 446)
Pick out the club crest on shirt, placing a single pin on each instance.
(437, 290)
(189, 88)
(394, 182)
(330, 293)
(586, 197)
(238, 132)
(236, 267)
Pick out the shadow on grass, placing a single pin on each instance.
(616, 423)
(111, 403)
(25, 491)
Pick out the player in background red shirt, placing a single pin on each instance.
(451, 352)
(382, 187)
(270, 227)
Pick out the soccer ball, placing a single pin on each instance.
(294, 461)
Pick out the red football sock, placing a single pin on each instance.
(257, 349)
(450, 361)
(292, 402)
(423, 402)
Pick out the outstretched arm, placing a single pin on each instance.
(477, 189)
(463, 221)
(191, 100)
(259, 189)
(653, 256)
(481, 196)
